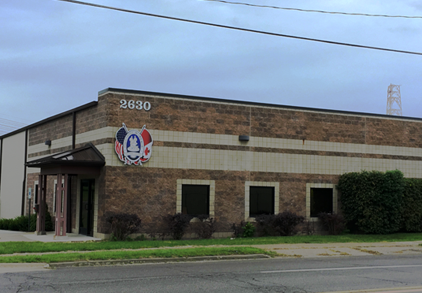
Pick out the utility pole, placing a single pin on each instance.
(394, 98)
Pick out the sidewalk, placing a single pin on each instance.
(344, 249)
(284, 250)
(6, 236)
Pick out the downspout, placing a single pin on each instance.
(24, 174)
(69, 178)
(74, 130)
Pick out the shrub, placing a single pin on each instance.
(238, 229)
(371, 201)
(205, 227)
(265, 225)
(334, 223)
(123, 225)
(285, 223)
(177, 224)
(309, 227)
(4, 224)
(49, 224)
(412, 206)
(248, 230)
(33, 223)
(13, 225)
(21, 223)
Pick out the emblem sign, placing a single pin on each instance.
(133, 146)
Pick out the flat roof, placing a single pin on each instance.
(85, 106)
(208, 99)
(219, 100)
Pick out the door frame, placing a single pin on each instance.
(94, 204)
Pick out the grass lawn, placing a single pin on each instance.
(34, 247)
(131, 254)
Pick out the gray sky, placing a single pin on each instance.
(55, 55)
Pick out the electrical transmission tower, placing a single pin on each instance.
(394, 98)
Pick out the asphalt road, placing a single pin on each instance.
(271, 275)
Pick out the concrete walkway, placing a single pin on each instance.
(6, 236)
(344, 249)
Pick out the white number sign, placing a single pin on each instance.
(138, 105)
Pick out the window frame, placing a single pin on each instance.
(211, 199)
(248, 184)
(308, 198)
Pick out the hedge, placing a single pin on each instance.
(380, 203)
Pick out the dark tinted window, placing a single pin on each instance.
(321, 201)
(261, 201)
(195, 199)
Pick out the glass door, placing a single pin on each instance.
(86, 220)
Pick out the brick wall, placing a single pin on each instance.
(151, 193)
(55, 129)
(224, 118)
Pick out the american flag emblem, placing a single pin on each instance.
(132, 146)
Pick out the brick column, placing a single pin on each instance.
(61, 206)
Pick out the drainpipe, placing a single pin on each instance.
(74, 130)
(24, 175)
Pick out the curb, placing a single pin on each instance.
(151, 260)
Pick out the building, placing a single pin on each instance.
(155, 154)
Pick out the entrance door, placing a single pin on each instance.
(86, 221)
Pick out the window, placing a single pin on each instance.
(320, 198)
(321, 201)
(261, 201)
(195, 199)
(261, 198)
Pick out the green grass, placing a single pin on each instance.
(34, 247)
(156, 253)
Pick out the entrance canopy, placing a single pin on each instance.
(84, 160)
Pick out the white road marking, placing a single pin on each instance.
(340, 269)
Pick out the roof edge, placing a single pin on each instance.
(68, 112)
(129, 91)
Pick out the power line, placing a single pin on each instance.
(11, 122)
(242, 29)
(312, 10)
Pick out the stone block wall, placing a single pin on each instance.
(151, 193)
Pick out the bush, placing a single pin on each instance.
(309, 227)
(238, 229)
(33, 223)
(123, 225)
(412, 206)
(49, 224)
(285, 223)
(4, 224)
(177, 224)
(265, 225)
(248, 230)
(372, 201)
(205, 227)
(334, 223)
(21, 223)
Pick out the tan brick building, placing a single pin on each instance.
(229, 159)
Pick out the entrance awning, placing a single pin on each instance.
(84, 160)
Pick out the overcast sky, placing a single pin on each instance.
(56, 55)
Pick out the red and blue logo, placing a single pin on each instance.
(133, 146)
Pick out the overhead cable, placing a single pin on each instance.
(242, 29)
(312, 10)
